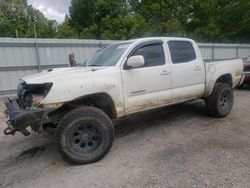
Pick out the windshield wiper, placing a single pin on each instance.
(95, 65)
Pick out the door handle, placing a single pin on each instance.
(165, 72)
(197, 68)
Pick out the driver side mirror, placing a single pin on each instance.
(135, 61)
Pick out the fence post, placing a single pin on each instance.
(212, 52)
(237, 51)
(37, 56)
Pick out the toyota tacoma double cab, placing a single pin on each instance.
(118, 80)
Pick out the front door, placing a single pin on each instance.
(148, 86)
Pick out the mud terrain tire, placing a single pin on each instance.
(84, 135)
(219, 104)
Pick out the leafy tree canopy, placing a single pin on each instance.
(207, 21)
(18, 15)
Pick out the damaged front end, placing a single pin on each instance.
(26, 109)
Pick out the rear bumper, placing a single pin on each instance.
(19, 119)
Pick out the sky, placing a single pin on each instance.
(52, 9)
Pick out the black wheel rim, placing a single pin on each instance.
(225, 100)
(84, 137)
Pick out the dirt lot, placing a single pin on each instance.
(170, 147)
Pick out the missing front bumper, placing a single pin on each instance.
(19, 119)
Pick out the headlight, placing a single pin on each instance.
(37, 100)
(30, 95)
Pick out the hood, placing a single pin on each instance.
(61, 74)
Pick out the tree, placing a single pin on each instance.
(235, 21)
(65, 30)
(18, 15)
(165, 17)
(99, 19)
(123, 27)
(82, 13)
(207, 21)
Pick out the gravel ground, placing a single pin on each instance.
(177, 146)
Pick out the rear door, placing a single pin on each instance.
(188, 71)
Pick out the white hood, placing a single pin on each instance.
(71, 83)
(61, 74)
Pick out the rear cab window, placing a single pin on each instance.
(181, 51)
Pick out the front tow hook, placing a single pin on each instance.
(9, 130)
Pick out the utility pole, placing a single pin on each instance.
(17, 33)
(36, 43)
(13, 8)
(34, 26)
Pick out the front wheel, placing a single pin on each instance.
(84, 135)
(219, 104)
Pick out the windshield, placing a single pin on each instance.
(107, 56)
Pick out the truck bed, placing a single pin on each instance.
(214, 69)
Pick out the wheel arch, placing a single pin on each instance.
(225, 78)
(102, 101)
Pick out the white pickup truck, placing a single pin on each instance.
(119, 80)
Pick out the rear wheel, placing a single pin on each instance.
(220, 102)
(85, 135)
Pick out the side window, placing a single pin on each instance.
(181, 51)
(153, 55)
